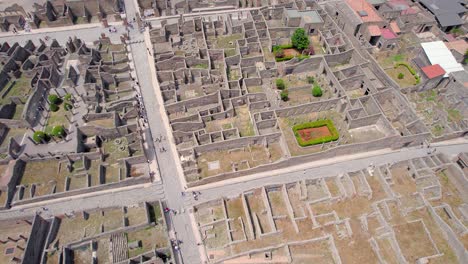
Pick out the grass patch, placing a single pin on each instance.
(200, 66)
(320, 123)
(57, 118)
(227, 42)
(411, 70)
(430, 96)
(229, 52)
(454, 115)
(19, 88)
(437, 130)
(407, 80)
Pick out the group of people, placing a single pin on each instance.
(112, 29)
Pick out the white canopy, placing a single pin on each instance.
(438, 53)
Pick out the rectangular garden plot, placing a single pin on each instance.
(313, 133)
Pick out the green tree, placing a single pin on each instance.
(310, 79)
(401, 76)
(53, 99)
(58, 131)
(317, 91)
(40, 137)
(284, 95)
(280, 84)
(54, 107)
(68, 97)
(299, 39)
(67, 106)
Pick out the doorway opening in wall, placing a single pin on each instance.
(373, 40)
(427, 28)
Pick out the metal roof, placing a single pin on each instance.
(446, 11)
(438, 53)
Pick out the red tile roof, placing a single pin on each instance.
(388, 34)
(363, 5)
(374, 30)
(433, 71)
(459, 45)
(395, 28)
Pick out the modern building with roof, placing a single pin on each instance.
(458, 48)
(310, 20)
(438, 53)
(358, 18)
(434, 75)
(448, 13)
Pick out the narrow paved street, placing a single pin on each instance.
(173, 187)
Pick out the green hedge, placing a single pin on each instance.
(410, 69)
(278, 47)
(286, 58)
(319, 123)
(303, 57)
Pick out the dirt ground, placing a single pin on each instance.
(291, 52)
(314, 133)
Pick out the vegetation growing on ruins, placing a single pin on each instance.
(53, 99)
(59, 131)
(40, 137)
(284, 95)
(299, 39)
(280, 84)
(411, 70)
(317, 91)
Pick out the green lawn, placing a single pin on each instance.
(229, 52)
(18, 112)
(21, 88)
(57, 119)
(227, 42)
(408, 79)
(454, 115)
(390, 60)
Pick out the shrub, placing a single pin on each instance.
(299, 39)
(53, 99)
(280, 84)
(40, 137)
(302, 57)
(284, 95)
(410, 69)
(310, 79)
(58, 131)
(54, 107)
(319, 123)
(68, 97)
(456, 31)
(283, 47)
(317, 91)
(67, 106)
(284, 58)
(279, 53)
(417, 79)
